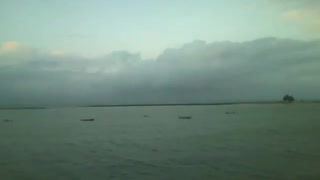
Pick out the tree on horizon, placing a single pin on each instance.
(288, 98)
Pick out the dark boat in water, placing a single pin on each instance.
(7, 120)
(185, 117)
(91, 119)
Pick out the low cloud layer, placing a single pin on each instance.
(197, 72)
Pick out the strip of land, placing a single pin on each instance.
(164, 104)
(15, 108)
(199, 104)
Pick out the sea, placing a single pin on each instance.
(223, 142)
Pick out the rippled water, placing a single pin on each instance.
(256, 142)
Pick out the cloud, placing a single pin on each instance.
(300, 3)
(263, 69)
(294, 15)
(303, 13)
(315, 27)
(306, 19)
(297, 15)
(57, 52)
(9, 46)
(13, 52)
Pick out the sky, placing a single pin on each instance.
(148, 51)
(97, 27)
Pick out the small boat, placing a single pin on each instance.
(91, 119)
(145, 116)
(230, 112)
(185, 117)
(7, 120)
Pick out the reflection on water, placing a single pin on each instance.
(253, 142)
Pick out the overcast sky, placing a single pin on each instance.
(67, 52)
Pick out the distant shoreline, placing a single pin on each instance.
(200, 104)
(165, 104)
(16, 108)
(187, 104)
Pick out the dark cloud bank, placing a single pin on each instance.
(197, 72)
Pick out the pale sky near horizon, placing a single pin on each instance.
(98, 27)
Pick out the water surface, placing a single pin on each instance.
(279, 141)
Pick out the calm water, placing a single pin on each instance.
(257, 142)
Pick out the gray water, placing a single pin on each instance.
(278, 141)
